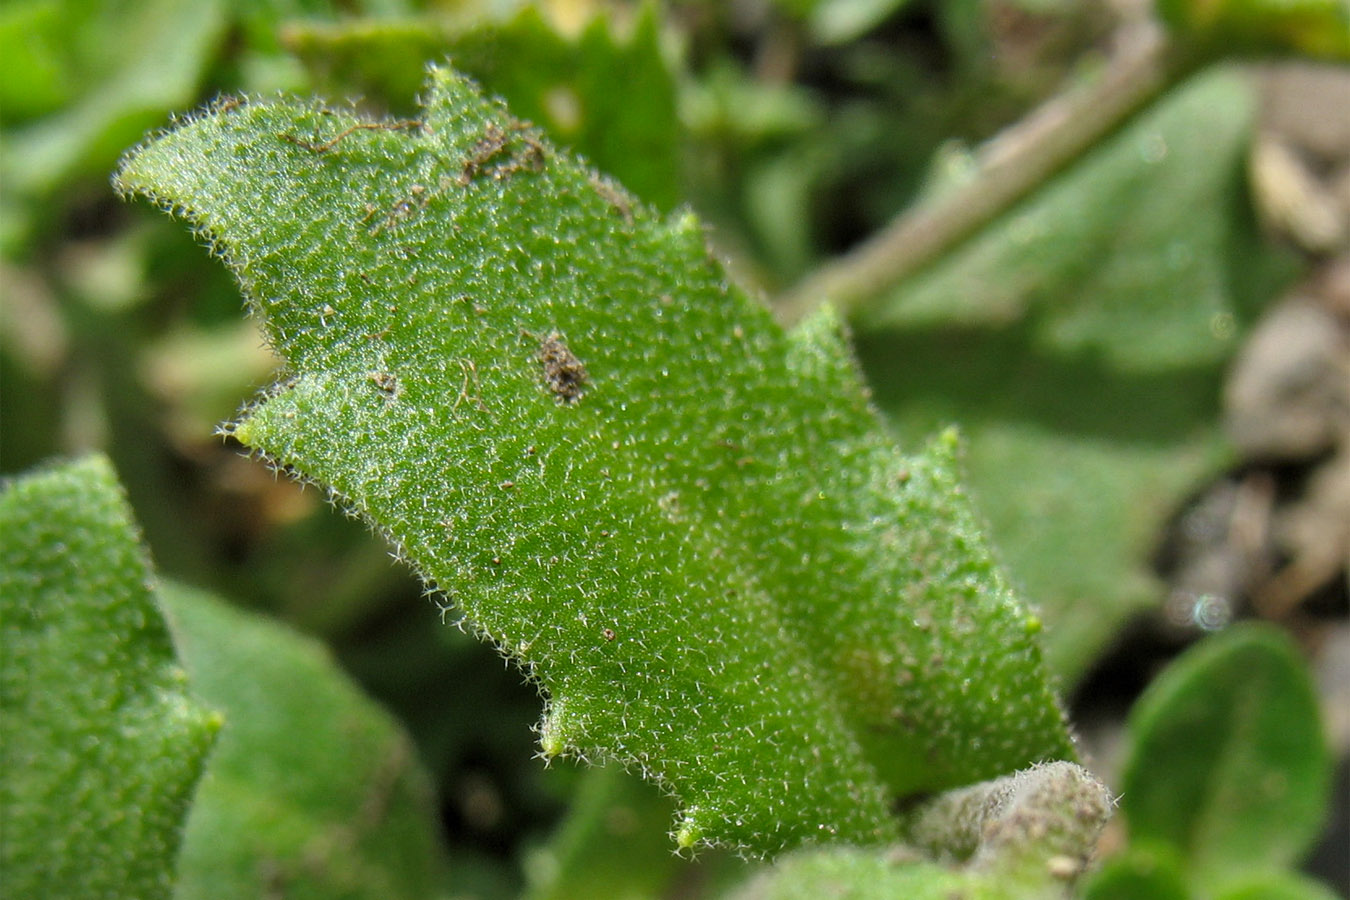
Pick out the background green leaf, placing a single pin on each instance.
(313, 790)
(1143, 870)
(687, 525)
(611, 844)
(853, 873)
(1228, 763)
(1141, 255)
(1090, 325)
(101, 744)
(127, 66)
(1277, 886)
(836, 21)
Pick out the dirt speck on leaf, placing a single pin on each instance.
(317, 146)
(564, 373)
(386, 382)
(509, 150)
(615, 196)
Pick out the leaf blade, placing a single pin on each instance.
(700, 550)
(1228, 762)
(102, 745)
(313, 790)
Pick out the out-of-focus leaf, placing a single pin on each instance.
(1142, 254)
(100, 742)
(610, 98)
(264, 21)
(1089, 326)
(612, 844)
(1276, 886)
(1141, 871)
(139, 61)
(1227, 761)
(200, 373)
(34, 72)
(853, 873)
(726, 105)
(383, 62)
(313, 790)
(1312, 27)
(687, 524)
(757, 155)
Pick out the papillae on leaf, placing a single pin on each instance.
(688, 526)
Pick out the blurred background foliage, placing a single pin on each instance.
(1104, 342)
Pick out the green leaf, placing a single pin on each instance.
(1277, 886)
(100, 745)
(1227, 760)
(1024, 837)
(686, 525)
(1079, 534)
(1016, 825)
(1143, 870)
(609, 98)
(313, 790)
(129, 65)
(1142, 255)
(1090, 325)
(34, 75)
(611, 844)
(854, 873)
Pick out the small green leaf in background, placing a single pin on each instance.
(35, 78)
(853, 873)
(313, 791)
(1090, 325)
(1228, 763)
(612, 843)
(101, 743)
(1143, 870)
(1278, 886)
(688, 526)
(1037, 824)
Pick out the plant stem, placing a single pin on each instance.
(1017, 822)
(1144, 64)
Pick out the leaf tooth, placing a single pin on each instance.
(560, 730)
(689, 832)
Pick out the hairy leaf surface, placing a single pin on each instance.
(687, 525)
(101, 744)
